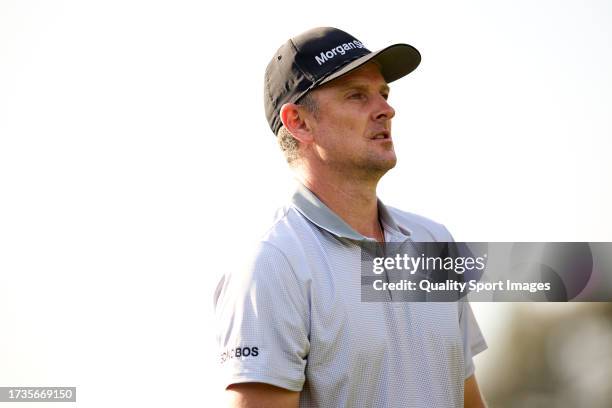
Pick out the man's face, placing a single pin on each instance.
(352, 130)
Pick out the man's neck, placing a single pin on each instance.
(353, 201)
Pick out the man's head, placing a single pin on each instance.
(345, 125)
(325, 99)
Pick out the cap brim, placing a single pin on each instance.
(395, 62)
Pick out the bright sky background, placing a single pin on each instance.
(136, 163)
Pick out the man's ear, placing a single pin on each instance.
(295, 122)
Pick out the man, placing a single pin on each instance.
(292, 328)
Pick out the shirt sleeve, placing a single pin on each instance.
(262, 318)
(473, 340)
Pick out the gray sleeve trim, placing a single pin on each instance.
(246, 377)
(479, 347)
(470, 368)
(474, 342)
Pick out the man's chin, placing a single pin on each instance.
(387, 163)
(378, 168)
(389, 166)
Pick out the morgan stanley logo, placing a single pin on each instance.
(340, 49)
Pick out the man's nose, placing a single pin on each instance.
(383, 111)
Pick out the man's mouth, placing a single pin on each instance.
(382, 135)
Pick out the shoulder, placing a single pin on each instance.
(289, 232)
(267, 266)
(421, 228)
(276, 253)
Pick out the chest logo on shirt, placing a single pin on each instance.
(239, 352)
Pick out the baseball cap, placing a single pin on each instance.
(321, 55)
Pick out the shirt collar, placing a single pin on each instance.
(321, 215)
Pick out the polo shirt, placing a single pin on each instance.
(292, 316)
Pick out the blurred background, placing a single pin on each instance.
(136, 165)
(546, 354)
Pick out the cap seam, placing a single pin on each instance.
(295, 61)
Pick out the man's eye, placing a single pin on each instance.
(386, 96)
(357, 95)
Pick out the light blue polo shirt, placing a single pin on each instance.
(293, 317)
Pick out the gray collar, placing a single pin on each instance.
(319, 214)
